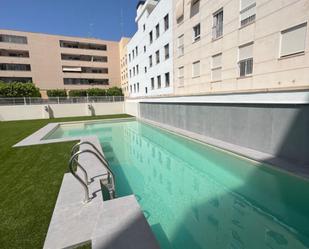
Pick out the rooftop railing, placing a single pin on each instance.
(59, 100)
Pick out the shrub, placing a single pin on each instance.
(96, 92)
(57, 93)
(114, 91)
(78, 93)
(19, 89)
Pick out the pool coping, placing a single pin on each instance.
(115, 223)
(258, 158)
(38, 136)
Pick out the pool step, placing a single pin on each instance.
(108, 192)
(118, 223)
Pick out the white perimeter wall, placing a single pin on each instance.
(23, 112)
(131, 107)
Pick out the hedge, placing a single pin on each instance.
(57, 93)
(96, 92)
(78, 93)
(19, 89)
(114, 91)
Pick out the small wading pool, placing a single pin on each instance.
(197, 196)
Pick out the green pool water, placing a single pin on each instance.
(197, 196)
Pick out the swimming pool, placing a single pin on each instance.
(197, 196)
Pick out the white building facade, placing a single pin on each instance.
(150, 51)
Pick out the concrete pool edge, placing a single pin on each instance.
(38, 136)
(74, 223)
(257, 157)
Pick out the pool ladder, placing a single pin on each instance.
(109, 184)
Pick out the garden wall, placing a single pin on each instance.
(26, 112)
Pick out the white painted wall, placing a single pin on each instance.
(26, 112)
(22, 112)
(141, 39)
(131, 107)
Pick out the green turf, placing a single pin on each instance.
(30, 179)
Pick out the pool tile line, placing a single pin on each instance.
(257, 157)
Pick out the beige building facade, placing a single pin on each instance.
(124, 65)
(59, 62)
(240, 46)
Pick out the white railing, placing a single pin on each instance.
(59, 100)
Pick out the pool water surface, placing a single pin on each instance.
(197, 196)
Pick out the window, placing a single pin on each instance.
(129, 57)
(134, 88)
(216, 67)
(159, 81)
(150, 37)
(166, 23)
(157, 31)
(82, 45)
(181, 75)
(145, 69)
(133, 71)
(152, 83)
(144, 27)
(131, 89)
(78, 69)
(167, 79)
(146, 90)
(195, 7)
(150, 61)
(14, 67)
(78, 81)
(133, 53)
(157, 57)
(136, 51)
(196, 32)
(196, 69)
(180, 47)
(144, 49)
(167, 51)
(217, 29)
(18, 79)
(130, 72)
(247, 12)
(245, 60)
(293, 40)
(13, 39)
(136, 69)
(137, 87)
(179, 10)
(14, 53)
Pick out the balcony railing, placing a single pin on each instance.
(59, 100)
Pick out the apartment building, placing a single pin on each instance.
(124, 65)
(150, 62)
(240, 46)
(59, 62)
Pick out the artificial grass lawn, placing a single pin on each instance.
(30, 179)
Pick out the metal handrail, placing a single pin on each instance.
(84, 184)
(96, 149)
(111, 177)
(92, 145)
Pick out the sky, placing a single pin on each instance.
(104, 19)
